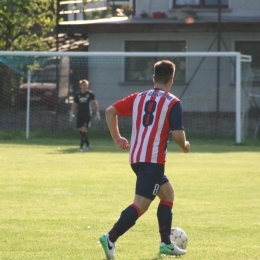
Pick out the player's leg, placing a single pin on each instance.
(147, 186)
(82, 141)
(149, 177)
(79, 126)
(129, 216)
(86, 126)
(127, 219)
(164, 210)
(164, 215)
(84, 138)
(143, 198)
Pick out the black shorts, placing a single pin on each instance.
(83, 119)
(150, 177)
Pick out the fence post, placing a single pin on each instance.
(28, 105)
(238, 98)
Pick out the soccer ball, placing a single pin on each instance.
(179, 237)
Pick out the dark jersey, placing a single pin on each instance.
(83, 101)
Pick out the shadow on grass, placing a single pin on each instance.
(107, 149)
(105, 144)
(159, 257)
(66, 151)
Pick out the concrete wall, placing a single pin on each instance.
(244, 8)
(107, 78)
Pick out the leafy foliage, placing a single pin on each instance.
(24, 24)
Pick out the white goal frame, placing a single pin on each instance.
(237, 55)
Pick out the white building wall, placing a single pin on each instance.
(110, 77)
(245, 8)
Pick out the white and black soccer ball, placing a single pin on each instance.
(179, 237)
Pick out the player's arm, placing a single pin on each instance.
(96, 107)
(178, 133)
(74, 107)
(180, 139)
(112, 123)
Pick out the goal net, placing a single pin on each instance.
(37, 90)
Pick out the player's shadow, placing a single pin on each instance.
(65, 151)
(68, 150)
(159, 257)
(73, 150)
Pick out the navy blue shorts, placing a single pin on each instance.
(83, 119)
(150, 177)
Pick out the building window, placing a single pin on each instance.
(200, 3)
(141, 68)
(251, 48)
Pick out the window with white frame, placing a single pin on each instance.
(200, 3)
(141, 68)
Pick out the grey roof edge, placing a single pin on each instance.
(134, 20)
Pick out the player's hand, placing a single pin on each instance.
(187, 147)
(121, 143)
(72, 115)
(97, 117)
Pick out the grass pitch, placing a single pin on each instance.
(55, 202)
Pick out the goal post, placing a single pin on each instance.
(28, 105)
(113, 75)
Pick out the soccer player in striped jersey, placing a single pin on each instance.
(156, 113)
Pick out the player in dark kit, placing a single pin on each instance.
(82, 103)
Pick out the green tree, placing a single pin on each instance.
(24, 26)
(25, 23)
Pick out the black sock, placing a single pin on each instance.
(86, 139)
(126, 221)
(82, 139)
(164, 215)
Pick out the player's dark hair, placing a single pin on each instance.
(163, 71)
(83, 81)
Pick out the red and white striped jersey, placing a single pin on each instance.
(150, 112)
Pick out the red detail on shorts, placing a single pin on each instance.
(137, 209)
(166, 203)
